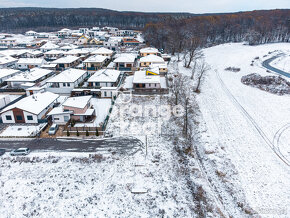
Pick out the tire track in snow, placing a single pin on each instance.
(248, 116)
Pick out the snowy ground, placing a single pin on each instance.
(21, 130)
(73, 185)
(248, 126)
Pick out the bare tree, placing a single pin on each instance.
(192, 51)
(201, 69)
(178, 82)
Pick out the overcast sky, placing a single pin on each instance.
(193, 6)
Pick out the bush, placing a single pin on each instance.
(67, 133)
(78, 134)
(87, 133)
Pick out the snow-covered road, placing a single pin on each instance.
(250, 125)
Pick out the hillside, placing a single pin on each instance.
(50, 19)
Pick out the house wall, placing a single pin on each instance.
(152, 85)
(3, 116)
(59, 119)
(76, 110)
(34, 120)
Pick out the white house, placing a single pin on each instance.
(48, 46)
(125, 62)
(66, 81)
(66, 62)
(144, 80)
(30, 109)
(95, 62)
(7, 61)
(151, 59)
(33, 76)
(103, 51)
(104, 78)
(7, 73)
(31, 33)
(29, 63)
(53, 54)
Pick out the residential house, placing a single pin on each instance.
(4, 100)
(48, 46)
(7, 61)
(151, 59)
(103, 51)
(7, 73)
(33, 76)
(64, 33)
(105, 78)
(149, 51)
(131, 41)
(74, 108)
(66, 81)
(95, 62)
(31, 109)
(29, 63)
(83, 40)
(125, 62)
(53, 54)
(31, 33)
(66, 62)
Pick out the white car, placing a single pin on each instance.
(20, 151)
(52, 130)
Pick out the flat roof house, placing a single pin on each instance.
(33, 76)
(66, 62)
(66, 81)
(29, 63)
(95, 62)
(31, 109)
(76, 108)
(104, 78)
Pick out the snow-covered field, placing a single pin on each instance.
(248, 126)
(21, 130)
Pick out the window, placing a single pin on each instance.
(155, 85)
(149, 85)
(18, 117)
(29, 117)
(64, 84)
(66, 118)
(8, 117)
(68, 84)
(105, 94)
(55, 118)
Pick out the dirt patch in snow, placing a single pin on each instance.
(273, 84)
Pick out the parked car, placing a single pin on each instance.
(53, 129)
(2, 151)
(20, 151)
(108, 135)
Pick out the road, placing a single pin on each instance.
(267, 65)
(122, 145)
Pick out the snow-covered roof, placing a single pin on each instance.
(8, 72)
(66, 60)
(141, 77)
(102, 51)
(58, 110)
(149, 50)
(152, 58)
(30, 76)
(78, 51)
(34, 104)
(105, 75)
(33, 61)
(78, 102)
(68, 47)
(7, 59)
(31, 32)
(125, 58)
(70, 75)
(49, 45)
(54, 52)
(96, 59)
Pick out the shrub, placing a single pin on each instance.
(87, 133)
(78, 134)
(67, 133)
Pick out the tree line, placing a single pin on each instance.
(177, 35)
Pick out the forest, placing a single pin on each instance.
(19, 20)
(177, 35)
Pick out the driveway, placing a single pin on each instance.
(267, 65)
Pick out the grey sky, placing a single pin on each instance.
(194, 6)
